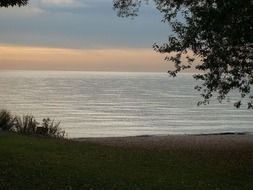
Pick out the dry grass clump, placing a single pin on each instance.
(27, 124)
(6, 120)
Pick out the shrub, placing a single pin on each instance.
(52, 128)
(6, 120)
(26, 124)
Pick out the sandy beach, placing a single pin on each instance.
(175, 142)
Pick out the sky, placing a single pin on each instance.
(80, 35)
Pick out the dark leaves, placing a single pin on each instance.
(7, 3)
(220, 33)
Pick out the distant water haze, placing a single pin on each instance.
(34, 58)
(102, 104)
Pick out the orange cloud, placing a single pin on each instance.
(17, 57)
(35, 58)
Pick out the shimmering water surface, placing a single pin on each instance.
(96, 104)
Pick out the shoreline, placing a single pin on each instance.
(215, 141)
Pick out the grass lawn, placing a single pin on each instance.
(40, 163)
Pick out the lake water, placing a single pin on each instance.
(100, 104)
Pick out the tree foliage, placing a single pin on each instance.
(217, 32)
(7, 3)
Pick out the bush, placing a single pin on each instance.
(52, 128)
(6, 120)
(27, 124)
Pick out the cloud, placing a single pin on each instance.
(62, 3)
(57, 6)
(59, 2)
(71, 6)
(18, 57)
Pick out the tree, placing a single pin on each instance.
(218, 32)
(7, 3)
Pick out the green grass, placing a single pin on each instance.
(41, 163)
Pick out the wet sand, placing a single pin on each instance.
(221, 142)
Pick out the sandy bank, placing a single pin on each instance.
(170, 142)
